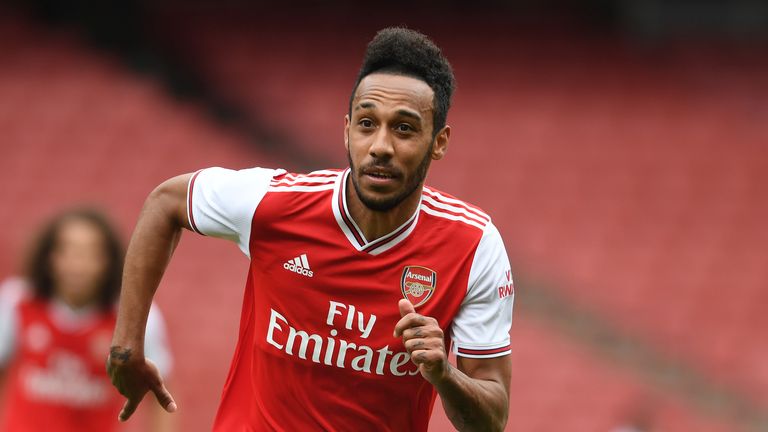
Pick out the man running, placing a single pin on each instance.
(360, 279)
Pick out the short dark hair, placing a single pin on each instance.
(403, 51)
(38, 269)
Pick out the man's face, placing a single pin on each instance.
(389, 139)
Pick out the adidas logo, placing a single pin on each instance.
(299, 265)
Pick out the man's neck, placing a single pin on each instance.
(376, 224)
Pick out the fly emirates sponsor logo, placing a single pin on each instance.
(65, 380)
(340, 353)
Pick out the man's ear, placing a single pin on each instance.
(346, 132)
(441, 143)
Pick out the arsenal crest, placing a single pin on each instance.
(418, 284)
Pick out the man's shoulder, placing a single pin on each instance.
(454, 212)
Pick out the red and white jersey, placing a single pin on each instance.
(58, 381)
(316, 350)
(55, 358)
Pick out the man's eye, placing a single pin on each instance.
(366, 123)
(402, 127)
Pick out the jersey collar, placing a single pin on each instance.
(353, 232)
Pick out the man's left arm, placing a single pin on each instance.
(475, 394)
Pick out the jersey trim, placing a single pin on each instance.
(354, 234)
(454, 210)
(347, 218)
(426, 209)
(475, 211)
(313, 182)
(401, 230)
(301, 188)
(440, 205)
(484, 353)
(190, 212)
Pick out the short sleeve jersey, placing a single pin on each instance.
(55, 361)
(316, 349)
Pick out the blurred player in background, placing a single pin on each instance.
(341, 260)
(55, 326)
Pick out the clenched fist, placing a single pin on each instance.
(424, 340)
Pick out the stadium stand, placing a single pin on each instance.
(635, 187)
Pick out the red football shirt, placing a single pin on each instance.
(55, 359)
(316, 350)
(57, 380)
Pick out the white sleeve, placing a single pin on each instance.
(11, 293)
(481, 327)
(156, 342)
(221, 202)
(8, 329)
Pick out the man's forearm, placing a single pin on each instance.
(155, 237)
(473, 404)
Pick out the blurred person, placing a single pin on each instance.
(340, 262)
(56, 325)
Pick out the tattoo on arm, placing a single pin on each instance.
(120, 353)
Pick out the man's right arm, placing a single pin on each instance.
(154, 239)
(222, 204)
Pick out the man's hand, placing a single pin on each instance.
(424, 340)
(134, 376)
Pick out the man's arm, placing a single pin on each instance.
(154, 239)
(476, 395)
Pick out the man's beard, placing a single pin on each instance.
(383, 205)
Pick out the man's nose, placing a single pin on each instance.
(382, 146)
